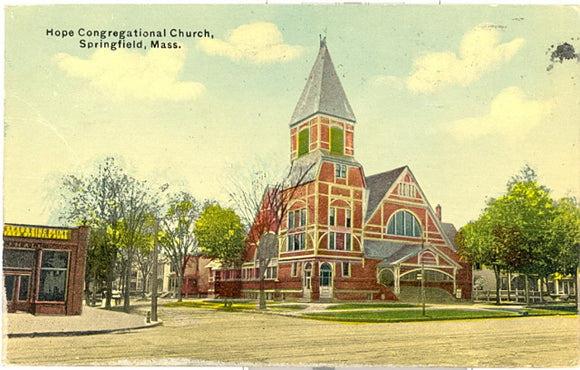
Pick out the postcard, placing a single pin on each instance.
(291, 185)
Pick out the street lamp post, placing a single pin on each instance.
(423, 272)
(578, 280)
(422, 282)
(154, 281)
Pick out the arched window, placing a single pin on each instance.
(325, 274)
(405, 224)
(387, 278)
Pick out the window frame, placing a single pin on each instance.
(325, 275)
(336, 213)
(291, 220)
(336, 136)
(347, 241)
(44, 268)
(407, 189)
(334, 237)
(294, 269)
(303, 142)
(296, 242)
(346, 265)
(398, 225)
(302, 219)
(340, 171)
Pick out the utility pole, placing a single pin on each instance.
(578, 280)
(423, 272)
(154, 281)
(423, 283)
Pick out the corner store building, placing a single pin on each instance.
(43, 268)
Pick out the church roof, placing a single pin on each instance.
(450, 231)
(305, 168)
(323, 92)
(377, 187)
(390, 252)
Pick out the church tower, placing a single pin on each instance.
(323, 119)
(324, 223)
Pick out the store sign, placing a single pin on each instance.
(37, 232)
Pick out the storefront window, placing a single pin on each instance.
(9, 285)
(18, 258)
(23, 290)
(53, 276)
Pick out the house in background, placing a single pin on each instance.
(196, 277)
(165, 279)
(345, 235)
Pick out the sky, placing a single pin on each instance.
(463, 95)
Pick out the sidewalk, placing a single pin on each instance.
(92, 321)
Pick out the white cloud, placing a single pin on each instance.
(128, 74)
(479, 52)
(511, 115)
(256, 43)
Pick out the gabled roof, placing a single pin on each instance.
(388, 251)
(393, 253)
(450, 231)
(323, 92)
(402, 254)
(377, 187)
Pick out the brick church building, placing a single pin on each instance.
(343, 235)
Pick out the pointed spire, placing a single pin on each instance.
(323, 92)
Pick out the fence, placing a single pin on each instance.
(519, 296)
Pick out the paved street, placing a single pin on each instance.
(207, 337)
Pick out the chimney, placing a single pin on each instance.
(438, 211)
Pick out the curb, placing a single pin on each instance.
(80, 332)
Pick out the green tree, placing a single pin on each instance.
(136, 236)
(176, 232)
(514, 233)
(119, 209)
(566, 236)
(485, 243)
(93, 201)
(527, 210)
(220, 235)
(144, 264)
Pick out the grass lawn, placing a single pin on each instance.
(289, 307)
(552, 310)
(236, 306)
(406, 315)
(389, 312)
(369, 306)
